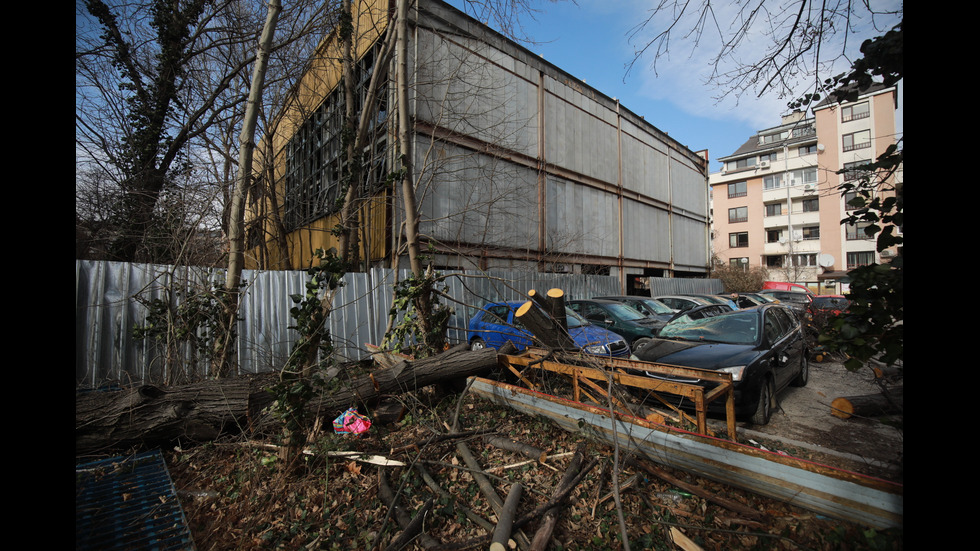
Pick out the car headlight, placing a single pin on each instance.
(736, 371)
(596, 349)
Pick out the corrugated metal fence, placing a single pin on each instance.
(111, 298)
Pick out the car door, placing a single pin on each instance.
(498, 327)
(786, 344)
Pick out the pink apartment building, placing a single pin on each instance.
(776, 202)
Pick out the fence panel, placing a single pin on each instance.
(111, 299)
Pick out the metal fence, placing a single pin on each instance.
(111, 300)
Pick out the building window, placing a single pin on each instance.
(738, 214)
(742, 263)
(801, 131)
(857, 140)
(803, 176)
(807, 149)
(849, 200)
(738, 189)
(852, 171)
(811, 205)
(773, 236)
(773, 138)
(775, 261)
(856, 232)
(772, 182)
(774, 209)
(855, 112)
(811, 233)
(771, 157)
(858, 259)
(739, 239)
(315, 161)
(742, 163)
(805, 260)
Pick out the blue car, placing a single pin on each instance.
(494, 325)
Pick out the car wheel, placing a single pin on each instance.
(477, 344)
(639, 343)
(804, 375)
(763, 409)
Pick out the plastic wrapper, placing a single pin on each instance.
(351, 422)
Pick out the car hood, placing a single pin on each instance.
(593, 334)
(701, 355)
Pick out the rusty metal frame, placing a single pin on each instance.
(617, 370)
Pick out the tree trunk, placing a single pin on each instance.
(872, 405)
(236, 234)
(149, 415)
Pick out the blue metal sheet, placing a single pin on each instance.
(129, 503)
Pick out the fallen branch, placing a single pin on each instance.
(505, 520)
(409, 530)
(698, 491)
(512, 445)
(550, 519)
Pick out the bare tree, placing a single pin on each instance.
(802, 40)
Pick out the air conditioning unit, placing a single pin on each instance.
(810, 187)
(887, 253)
(763, 164)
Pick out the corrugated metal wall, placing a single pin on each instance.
(107, 310)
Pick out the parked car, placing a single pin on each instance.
(824, 308)
(763, 299)
(785, 286)
(681, 303)
(833, 305)
(763, 348)
(794, 299)
(617, 317)
(703, 311)
(650, 307)
(746, 300)
(494, 325)
(713, 298)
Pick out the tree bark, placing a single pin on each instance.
(199, 412)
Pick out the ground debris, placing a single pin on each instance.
(236, 496)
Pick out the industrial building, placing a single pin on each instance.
(517, 164)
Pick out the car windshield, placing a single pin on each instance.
(572, 319)
(740, 327)
(625, 312)
(657, 306)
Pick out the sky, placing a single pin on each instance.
(590, 39)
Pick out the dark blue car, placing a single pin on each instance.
(494, 325)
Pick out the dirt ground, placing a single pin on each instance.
(804, 426)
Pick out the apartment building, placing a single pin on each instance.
(776, 202)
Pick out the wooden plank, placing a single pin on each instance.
(820, 488)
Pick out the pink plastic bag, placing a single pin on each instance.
(351, 422)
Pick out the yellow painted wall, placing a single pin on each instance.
(322, 77)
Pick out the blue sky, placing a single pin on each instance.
(590, 39)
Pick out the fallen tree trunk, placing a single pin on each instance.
(871, 405)
(150, 415)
